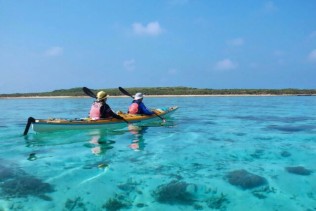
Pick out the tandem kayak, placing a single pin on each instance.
(49, 125)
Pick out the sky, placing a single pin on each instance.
(217, 44)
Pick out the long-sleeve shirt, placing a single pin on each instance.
(106, 112)
(142, 109)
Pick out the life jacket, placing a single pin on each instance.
(95, 113)
(133, 108)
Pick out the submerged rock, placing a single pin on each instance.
(289, 129)
(245, 180)
(14, 182)
(217, 202)
(5, 173)
(129, 186)
(174, 192)
(285, 154)
(118, 202)
(23, 187)
(299, 170)
(9, 171)
(76, 204)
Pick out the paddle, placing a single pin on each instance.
(88, 92)
(30, 120)
(128, 94)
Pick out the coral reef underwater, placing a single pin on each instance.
(188, 194)
(174, 192)
(16, 183)
(245, 180)
(299, 170)
(116, 203)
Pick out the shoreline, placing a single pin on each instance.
(157, 96)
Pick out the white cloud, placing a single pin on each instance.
(236, 42)
(54, 51)
(270, 7)
(225, 64)
(151, 29)
(312, 56)
(129, 65)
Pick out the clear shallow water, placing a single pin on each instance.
(193, 162)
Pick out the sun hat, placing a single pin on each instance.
(102, 95)
(138, 96)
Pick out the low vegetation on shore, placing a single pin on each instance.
(77, 92)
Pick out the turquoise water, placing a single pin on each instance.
(215, 153)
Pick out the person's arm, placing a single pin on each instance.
(144, 110)
(107, 112)
(114, 115)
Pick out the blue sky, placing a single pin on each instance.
(60, 44)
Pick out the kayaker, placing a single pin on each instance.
(138, 107)
(100, 109)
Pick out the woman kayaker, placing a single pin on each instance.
(138, 107)
(100, 109)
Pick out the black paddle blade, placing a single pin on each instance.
(88, 92)
(30, 120)
(125, 92)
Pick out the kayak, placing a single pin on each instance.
(49, 125)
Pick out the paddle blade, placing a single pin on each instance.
(88, 92)
(30, 120)
(125, 92)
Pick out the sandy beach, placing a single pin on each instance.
(147, 96)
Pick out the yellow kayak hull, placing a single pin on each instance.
(48, 125)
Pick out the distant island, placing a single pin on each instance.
(77, 92)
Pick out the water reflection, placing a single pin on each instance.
(138, 141)
(100, 142)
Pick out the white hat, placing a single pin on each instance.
(138, 96)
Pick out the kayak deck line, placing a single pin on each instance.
(57, 124)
